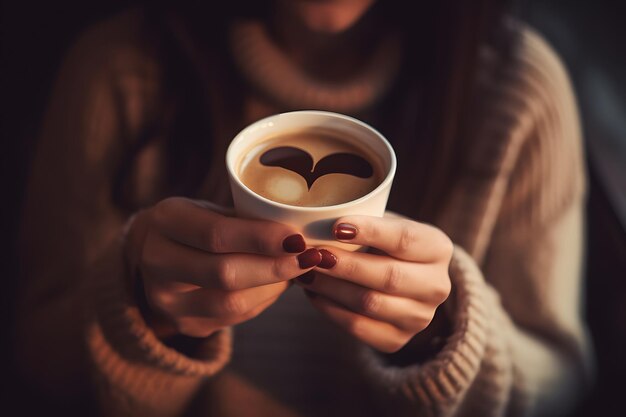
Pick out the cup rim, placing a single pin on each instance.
(255, 125)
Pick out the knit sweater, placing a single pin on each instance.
(518, 344)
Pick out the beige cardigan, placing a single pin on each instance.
(518, 345)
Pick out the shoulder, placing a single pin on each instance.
(526, 97)
(536, 58)
(117, 44)
(535, 101)
(112, 62)
(539, 78)
(105, 92)
(531, 87)
(109, 78)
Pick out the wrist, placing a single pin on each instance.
(161, 327)
(133, 236)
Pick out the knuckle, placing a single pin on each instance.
(446, 246)
(370, 302)
(416, 323)
(425, 322)
(161, 299)
(234, 304)
(392, 280)
(406, 240)
(420, 324)
(442, 289)
(164, 208)
(356, 327)
(349, 267)
(226, 276)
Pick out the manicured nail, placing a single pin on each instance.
(294, 244)
(311, 294)
(328, 259)
(307, 278)
(345, 231)
(309, 258)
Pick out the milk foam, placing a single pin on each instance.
(288, 187)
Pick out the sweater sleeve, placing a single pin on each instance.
(79, 331)
(518, 345)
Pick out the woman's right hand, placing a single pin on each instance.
(203, 271)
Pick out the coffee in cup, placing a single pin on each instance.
(311, 167)
(308, 168)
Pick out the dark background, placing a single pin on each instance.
(589, 36)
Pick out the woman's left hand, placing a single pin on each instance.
(383, 298)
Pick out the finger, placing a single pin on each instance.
(379, 335)
(404, 313)
(224, 211)
(189, 223)
(203, 326)
(226, 304)
(393, 215)
(400, 238)
(167, 260)
(254, 312)
(419, 281)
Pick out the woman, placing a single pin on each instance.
(138, 279)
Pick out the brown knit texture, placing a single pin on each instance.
(139, 370)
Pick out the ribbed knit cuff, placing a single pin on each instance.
(123, 332)
(437, 387)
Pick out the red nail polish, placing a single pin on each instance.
(307, 278)
(309, 258)
(328, 259)
(294, 244)
(345, 231)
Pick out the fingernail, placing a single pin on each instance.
(311, 294)
(345, 231)
(294, 244)
(309, 258)
(307, 278)
(328, 259)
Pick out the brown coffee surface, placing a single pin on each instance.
(311, 168)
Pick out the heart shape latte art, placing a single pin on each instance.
(301, 162)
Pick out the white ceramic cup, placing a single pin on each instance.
(314, 223)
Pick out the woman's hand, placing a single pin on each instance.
(383, 299)
(203, 271)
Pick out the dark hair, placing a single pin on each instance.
(447, 41)
(445, 36)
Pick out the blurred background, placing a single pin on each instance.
(589, 36)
